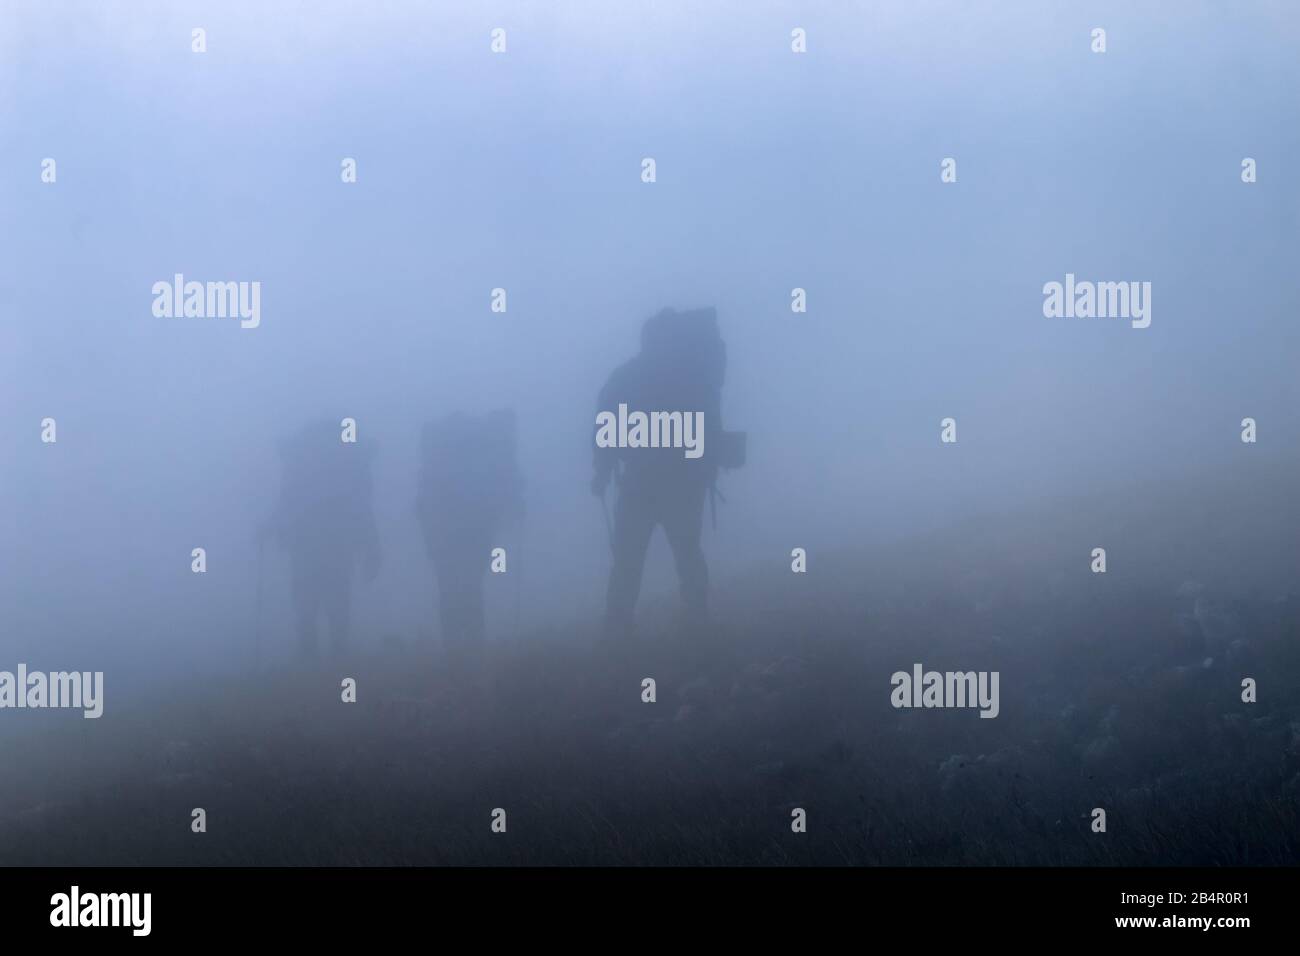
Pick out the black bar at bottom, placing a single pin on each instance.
(330, 905)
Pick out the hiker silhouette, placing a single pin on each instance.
(680, 369)
(324, 519)
(469, 489)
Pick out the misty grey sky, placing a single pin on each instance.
(522, 170)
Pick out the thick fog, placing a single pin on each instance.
(523, 171)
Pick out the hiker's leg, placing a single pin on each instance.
(463, 603)
(475, 565)
(683, 524)
(306, 605)
(444, 563)
(634, 522)
(337, 598)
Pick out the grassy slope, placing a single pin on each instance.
(1106, 701)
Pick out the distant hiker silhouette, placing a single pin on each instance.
(659, 435)
(469, 488)
(324, 519)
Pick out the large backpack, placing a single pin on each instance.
(325, 485)
(689, 342)
(469, 464)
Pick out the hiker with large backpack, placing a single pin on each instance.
(469, 488)
(324, 519)
(679, 370)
